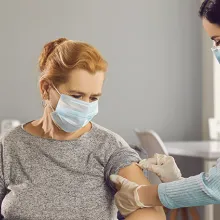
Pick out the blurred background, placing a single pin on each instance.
(161, 76)
(153, 49)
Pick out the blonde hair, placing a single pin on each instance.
(61, 56)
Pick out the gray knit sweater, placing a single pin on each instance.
(46, 179)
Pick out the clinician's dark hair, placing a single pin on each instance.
(210, 9)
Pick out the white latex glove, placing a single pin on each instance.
(127, 198)
(163, 166)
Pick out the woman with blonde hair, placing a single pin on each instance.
(58, 166)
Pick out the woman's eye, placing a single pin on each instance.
(217, 43)
(94, 99)
(76, 96)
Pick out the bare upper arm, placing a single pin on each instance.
(146, 213)
(135, 174)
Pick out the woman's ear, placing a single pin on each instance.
(45, 87)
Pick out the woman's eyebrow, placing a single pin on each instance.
(76, 91)
(83, 93)
(213, 38)
(97, 94)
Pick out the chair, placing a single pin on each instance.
(151, 138)
(152, 143)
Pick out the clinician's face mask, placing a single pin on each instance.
(216, 51)
(72, 114)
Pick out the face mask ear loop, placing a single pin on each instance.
(51, 107)
(56, 89)
(57, 92)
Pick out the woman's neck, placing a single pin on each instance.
(45, 128)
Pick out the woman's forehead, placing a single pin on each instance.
(213, 30)
(85, 82)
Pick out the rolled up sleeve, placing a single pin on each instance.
(123, 156)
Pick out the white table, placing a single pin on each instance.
(209, 151)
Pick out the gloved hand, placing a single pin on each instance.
(163, 166)
(127, 198)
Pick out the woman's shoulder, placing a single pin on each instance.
(107, 134)
(12, 135)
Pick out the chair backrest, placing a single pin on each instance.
(152, 143)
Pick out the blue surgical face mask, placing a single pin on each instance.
(72, 114)
(216, 51)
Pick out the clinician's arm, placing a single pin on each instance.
(200, 190)
(135, 174)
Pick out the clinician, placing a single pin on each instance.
(175, 191)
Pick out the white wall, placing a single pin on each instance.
(208, 91)
(153, 49)
(216, 80)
